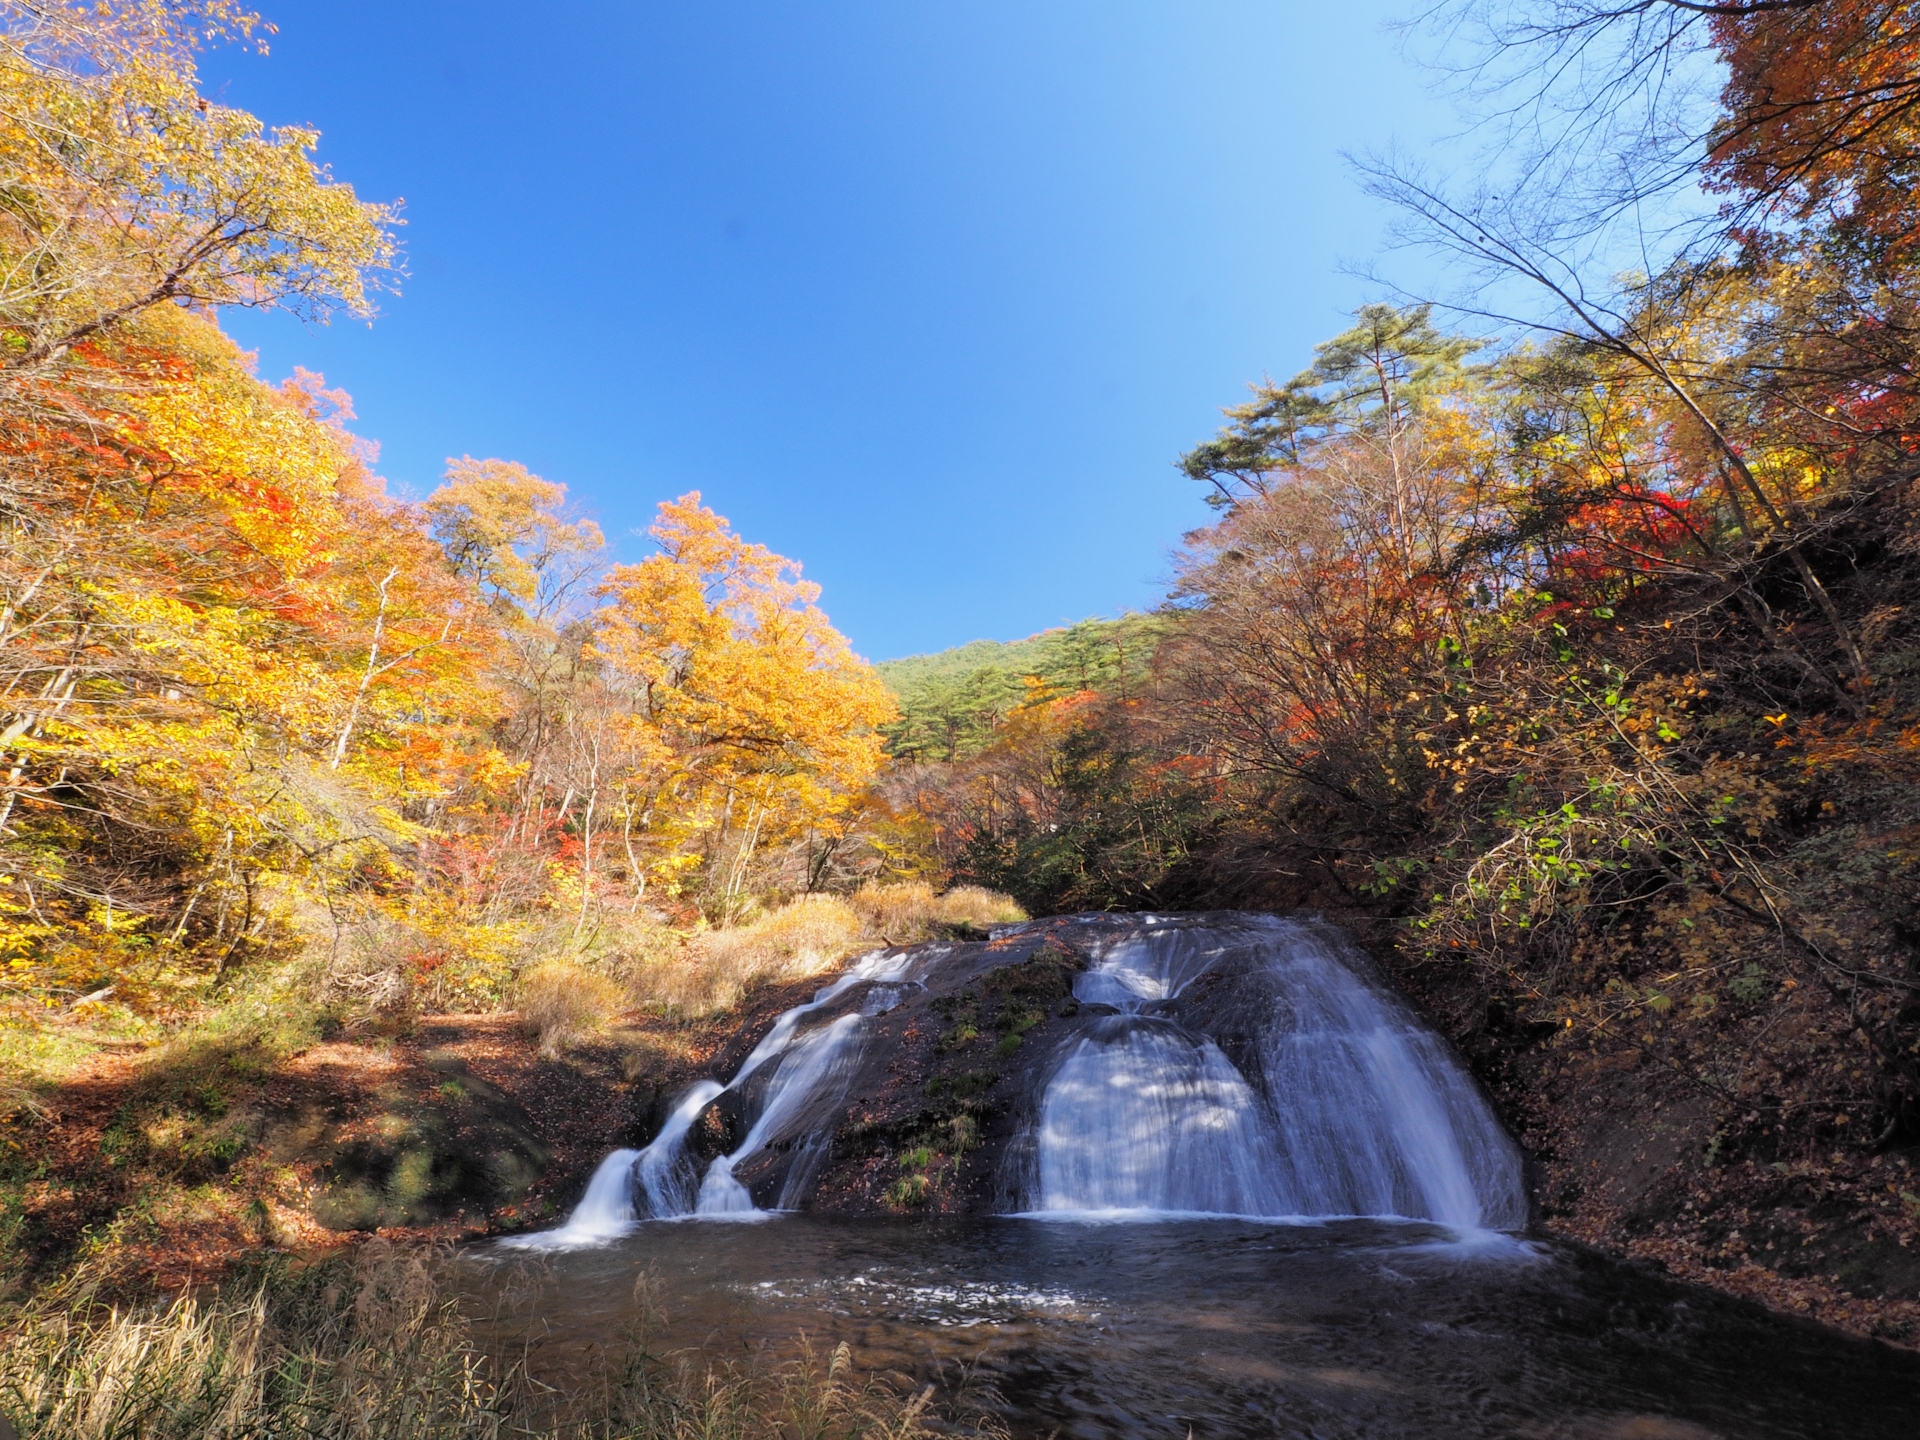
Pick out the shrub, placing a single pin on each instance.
(367, 973)
(904, 913)
(803, 937)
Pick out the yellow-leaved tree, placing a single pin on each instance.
(752, 721)
(125, 188)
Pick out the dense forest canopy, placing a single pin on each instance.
(247, 688)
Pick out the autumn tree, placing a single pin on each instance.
(506, 529)
(759, 721)
(126, 189)
(174, 630)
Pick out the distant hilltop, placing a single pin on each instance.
(951, 700)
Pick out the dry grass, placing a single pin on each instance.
(804, 937)
(908, 913)
(807, 936)
(561, 1004)
(376, 1351)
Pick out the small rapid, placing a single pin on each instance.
(604, 1213)
(662, 1182)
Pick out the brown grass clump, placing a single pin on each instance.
(907, 913)
(375, 1349)
(808, 936)
(562, 1004)
(803, 937)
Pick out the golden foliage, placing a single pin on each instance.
(245, 685)
(128, 190)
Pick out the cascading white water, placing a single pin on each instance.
(1377, 1116)
(1154, 966)
(1341, 1104)
(1364, 1111)
(661, 1173)
(809, 1065)
(1148, 1119)
(604, 1213)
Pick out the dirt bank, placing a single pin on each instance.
(1638, 1148)
(170, 1164)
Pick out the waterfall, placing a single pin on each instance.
(662, 1173)
(1378, 1116)
(1155, 965)
(1143, 1116)
(1353, 1107)
(800, 1084)
(808, 1078)
(604, 1213)
(1219, 1064)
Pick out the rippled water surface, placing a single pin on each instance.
(1230, 1328)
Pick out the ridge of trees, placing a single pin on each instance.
(252, 700)
(951, 700)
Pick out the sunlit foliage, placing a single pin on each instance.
(254, 703)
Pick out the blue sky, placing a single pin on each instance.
(928, 297)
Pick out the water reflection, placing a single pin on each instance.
(1233, 1328)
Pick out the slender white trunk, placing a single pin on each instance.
(586, 862)
(366, 676)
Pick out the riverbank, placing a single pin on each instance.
(169, 1169)
(1627, 1141)
(378, 1344)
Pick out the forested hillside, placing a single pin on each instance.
(1581, 662)
(951, 702)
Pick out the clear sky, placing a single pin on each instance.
(926, 296)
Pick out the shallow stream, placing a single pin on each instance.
(1230, 1328)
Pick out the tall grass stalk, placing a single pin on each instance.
(376, 1350)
